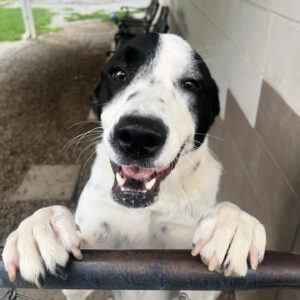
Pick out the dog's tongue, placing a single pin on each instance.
(140, 173)
(136, 172)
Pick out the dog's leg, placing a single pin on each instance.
(77, 294)
(41, 244)
(226, 236)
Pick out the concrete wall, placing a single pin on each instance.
(252, 48)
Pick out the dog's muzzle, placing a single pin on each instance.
(138, 141)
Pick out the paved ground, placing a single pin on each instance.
(98, 295)
(40, 294)
(45, 85)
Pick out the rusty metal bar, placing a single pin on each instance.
(164, 269)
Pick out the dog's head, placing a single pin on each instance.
(157, 101)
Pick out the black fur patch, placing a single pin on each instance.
(206, 107)
(137, 53)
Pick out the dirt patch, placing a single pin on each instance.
(44, 89)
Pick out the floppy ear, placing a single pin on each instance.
(95, 101)
(210, 88)
(208, 106)
(214, 102)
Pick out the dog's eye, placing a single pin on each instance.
(189, 85)
(118, 75)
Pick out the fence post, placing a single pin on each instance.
(28, 20)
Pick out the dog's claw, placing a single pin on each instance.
(61, 272)
(253, 259)
(77, 253)
(197, 248)
(11, 270)
(40, 282)
(213, 263)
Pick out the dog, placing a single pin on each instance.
(154, 181)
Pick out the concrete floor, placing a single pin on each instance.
(45, 87)
(40, 294)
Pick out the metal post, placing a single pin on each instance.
(28, 20)
(164, 270)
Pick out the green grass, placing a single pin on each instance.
(42, 19)
(99, 15)
(12, 25)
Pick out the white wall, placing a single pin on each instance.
(244, 42)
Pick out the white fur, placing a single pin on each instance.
(186, 195)
(171, 62)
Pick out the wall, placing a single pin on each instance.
(252, 48)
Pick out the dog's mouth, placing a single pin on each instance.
(137, 187)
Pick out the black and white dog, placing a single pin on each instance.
(154, 181)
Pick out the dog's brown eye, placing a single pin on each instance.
(189, 85)
(118, 75)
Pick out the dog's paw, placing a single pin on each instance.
(42, 243)
(226, 236)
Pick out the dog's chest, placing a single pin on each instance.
(171, 235)
(118, 228)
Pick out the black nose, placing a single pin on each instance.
(139, 137)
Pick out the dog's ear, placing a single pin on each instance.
(95, 101)
(207, 105)
(213, 98)
(211, 91)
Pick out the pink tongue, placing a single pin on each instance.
(139, 173)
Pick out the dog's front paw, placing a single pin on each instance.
(42, 242)
(226, 236)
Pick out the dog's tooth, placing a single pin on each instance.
(150, 184)
(121, 181)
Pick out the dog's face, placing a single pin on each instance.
(157, 101)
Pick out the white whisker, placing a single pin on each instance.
(212, 136)
(97, 131)
(86, 148)
(94, 152)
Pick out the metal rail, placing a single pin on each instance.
(164, 269)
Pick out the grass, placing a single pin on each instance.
(12, 25)
(42, 19)
(99, 15)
